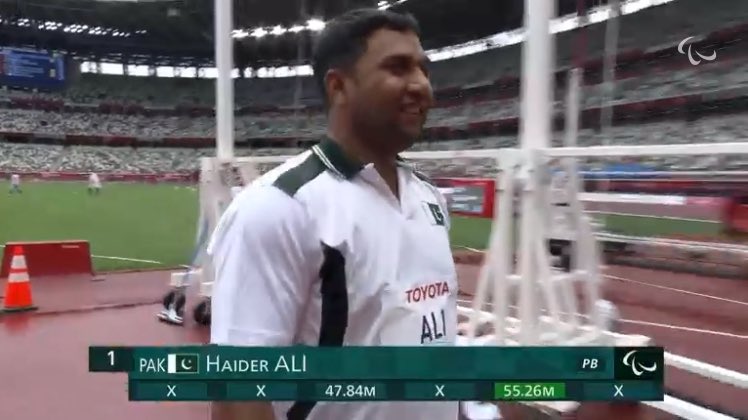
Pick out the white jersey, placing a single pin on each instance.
(93, 181)
(319, 252)
(15, 179)
(235, 191)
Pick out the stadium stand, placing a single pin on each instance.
(723, 76)
(666, 101)
(28, 157)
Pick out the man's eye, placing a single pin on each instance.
(398, 68)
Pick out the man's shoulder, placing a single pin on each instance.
(422, 177)
(294, 173)
(425, 181)
(262, 209)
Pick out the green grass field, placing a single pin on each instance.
(157, 222)
(473, 232)
(139, 221)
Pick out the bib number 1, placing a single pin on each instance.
(433, 327)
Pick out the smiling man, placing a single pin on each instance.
(345, 244)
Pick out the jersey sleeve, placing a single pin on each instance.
(266, 255)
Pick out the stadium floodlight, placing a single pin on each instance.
(239, 33)
(315, 25)
(259, 32)
(278, 30)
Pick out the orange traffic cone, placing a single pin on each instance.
(18, 287)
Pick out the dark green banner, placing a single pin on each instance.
(156, 390)
(380, 363)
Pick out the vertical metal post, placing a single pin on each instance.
(580, 47)
(571, 125)
(609, 70)
(299, 58)
(535, 133)
(537, 76)
(224, 82)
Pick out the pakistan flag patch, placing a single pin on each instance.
(434, 212)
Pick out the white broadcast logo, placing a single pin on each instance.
(636, 367)
(693, 60)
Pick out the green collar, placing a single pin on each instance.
(335, 159)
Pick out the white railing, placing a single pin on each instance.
(547, 326)
(670, 404)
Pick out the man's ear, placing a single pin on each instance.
(335, 87)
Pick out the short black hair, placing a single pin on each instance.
(343, 40)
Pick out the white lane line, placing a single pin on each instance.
(107, 257)
(469, 303)
(677, 327)
(126, 259)
(672, 289)
(644, 216)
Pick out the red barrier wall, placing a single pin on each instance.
(53, 258)
(725, 209)
(689, 186)
(126, 177)
(486, 195)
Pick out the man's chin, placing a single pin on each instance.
(407, 138)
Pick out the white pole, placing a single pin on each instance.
(573, 184)
(299, 58)
(573, 99)
(224, 82)
(609, 71)
(537, 71)
(535, 133)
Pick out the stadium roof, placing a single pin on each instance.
(180, 32)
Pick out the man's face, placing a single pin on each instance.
(388, 91)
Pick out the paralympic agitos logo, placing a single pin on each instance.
(637, 368)
(694, 61)
(639, 363)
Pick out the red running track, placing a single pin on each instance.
(44, 365)
(43, 356)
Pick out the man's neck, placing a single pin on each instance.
(388, 172)
(384, 163)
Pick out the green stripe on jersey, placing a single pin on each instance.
(290, 181)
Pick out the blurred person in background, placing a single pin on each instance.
(94, 184)
(15, 184)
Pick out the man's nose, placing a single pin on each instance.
(420, 85)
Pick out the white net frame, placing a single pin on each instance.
(549, 311)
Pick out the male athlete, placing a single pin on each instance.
(345, 244)
(15, 184)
